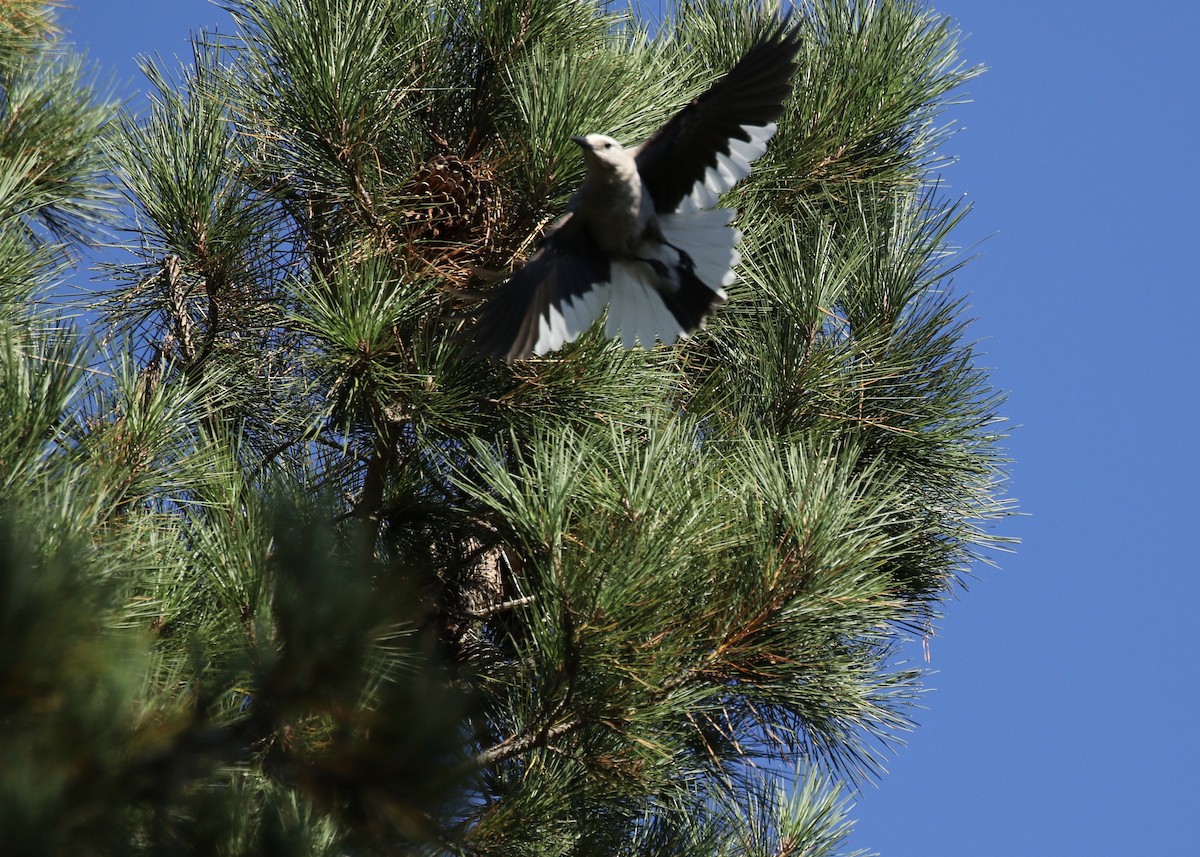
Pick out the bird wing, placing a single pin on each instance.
(707, 147)
(699, 154)
(559, 293)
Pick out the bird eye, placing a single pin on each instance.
(608, 145)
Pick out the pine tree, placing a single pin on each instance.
(284, 569)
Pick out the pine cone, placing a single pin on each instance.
(451, 199)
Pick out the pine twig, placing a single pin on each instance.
(518, 744)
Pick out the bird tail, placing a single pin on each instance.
(642, 311)
(637, 313)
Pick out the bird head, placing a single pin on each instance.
(601, 152)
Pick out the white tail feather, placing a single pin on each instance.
(636, 313)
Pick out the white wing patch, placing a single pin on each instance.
(729, 170)
(707, 237)
(636, 314)
(565, 324)
(552, 331)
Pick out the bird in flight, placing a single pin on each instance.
(641, 236)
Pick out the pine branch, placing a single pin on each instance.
(519, 744)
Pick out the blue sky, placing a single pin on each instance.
(1068, 682)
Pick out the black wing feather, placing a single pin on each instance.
(751, 93)
(567, 266)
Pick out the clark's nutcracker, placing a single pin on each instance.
(641, 236)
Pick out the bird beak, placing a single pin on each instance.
(582, 141)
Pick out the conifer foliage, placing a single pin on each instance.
(285, 569)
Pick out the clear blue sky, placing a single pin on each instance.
(1068, 683)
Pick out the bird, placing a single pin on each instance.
(642, 236)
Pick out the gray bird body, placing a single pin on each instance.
(616, 209)
(613, 200)
(641, 237)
